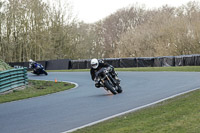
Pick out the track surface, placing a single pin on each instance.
(66, 110)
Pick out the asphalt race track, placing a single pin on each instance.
(62, 111)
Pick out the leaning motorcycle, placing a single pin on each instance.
(107, 81)
(39, 70)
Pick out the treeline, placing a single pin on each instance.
(37, 30)
(34, 29)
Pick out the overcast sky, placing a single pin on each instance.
(91, 11)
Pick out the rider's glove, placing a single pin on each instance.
(110, 69)
(96, 79)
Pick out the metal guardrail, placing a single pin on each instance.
(13, 78)
(163, 61)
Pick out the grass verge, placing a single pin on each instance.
(34, 89)
(177, 115)
(4, 66)
(181, 68)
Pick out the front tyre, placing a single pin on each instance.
(109, 87)
(119, 90)
(45, 73)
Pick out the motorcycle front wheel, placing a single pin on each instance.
(119, 90)
(110, 87)
(45, 73)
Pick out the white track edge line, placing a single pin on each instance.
(131, 110)
(76, 85)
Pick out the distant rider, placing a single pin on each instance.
(96, 65)
(34, 65)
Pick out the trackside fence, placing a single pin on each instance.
(164, 61)
(13, 78)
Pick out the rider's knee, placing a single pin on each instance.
(97, 85)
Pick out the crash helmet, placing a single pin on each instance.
(31, 61)
(94, 63)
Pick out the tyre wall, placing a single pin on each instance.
(165, 61)
(13, 78)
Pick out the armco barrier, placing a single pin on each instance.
(197, 60)
(115, 62)
(164, 61)
(13, 78)
(79, 64)
(189, 60)
(168, 61)
(179, 61)
(158, 61)
(145, 62)
(57, 64)
(60, 64)
(128, 62)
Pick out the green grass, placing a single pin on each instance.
(177, 115)
(34, 89)
(4, 66)
(180, 68)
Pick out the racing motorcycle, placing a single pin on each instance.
(38, 69)
(106, 80)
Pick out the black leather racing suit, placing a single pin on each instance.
(101, 65)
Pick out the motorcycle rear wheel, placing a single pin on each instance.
(110, 87)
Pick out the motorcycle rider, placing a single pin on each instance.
(96, 65)
(34, 65)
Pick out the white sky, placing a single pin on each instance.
(91, 11)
